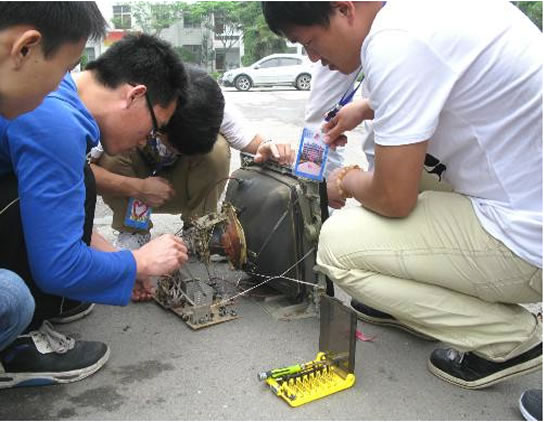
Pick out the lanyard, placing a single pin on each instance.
(345, 99)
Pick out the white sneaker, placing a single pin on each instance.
(132, 241)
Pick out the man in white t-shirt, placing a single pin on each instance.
(455, 89)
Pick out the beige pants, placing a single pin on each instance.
(198, 181)
(437, 271)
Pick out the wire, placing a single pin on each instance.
(270, 278)
(9, 205)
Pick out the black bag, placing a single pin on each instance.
(281, 217)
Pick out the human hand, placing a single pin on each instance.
(348, 117)
(143, 290)
(334, 197)
(160, 256)
(282, 153)
(155, 191)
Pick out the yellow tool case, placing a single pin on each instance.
(332, 370)
(313, 384)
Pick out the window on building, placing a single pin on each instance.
(190, 21)
(89, 52)
(195, 50)
(219, 25)
(121, 16)
(219, 61)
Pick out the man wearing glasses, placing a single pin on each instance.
(184, 171)
(125, 94)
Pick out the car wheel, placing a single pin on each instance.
(243, 83)
(302, 83)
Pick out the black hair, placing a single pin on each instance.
(281, 15)
(142, 59)
(194, 127)
(59, 22)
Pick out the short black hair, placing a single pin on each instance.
(281, 15)
(59, 22)
(194, 127)
(142, 59)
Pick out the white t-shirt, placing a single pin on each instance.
(468, 77)
(235, 128)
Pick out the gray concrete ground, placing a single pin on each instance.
(159, 369)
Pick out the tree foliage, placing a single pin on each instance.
(231, 19)
(533, 9)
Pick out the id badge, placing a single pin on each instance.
(137, 214)
(311, 156)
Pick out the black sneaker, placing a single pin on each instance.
(72, 310)
(45, 357)
(530, 405)
(373, 316)
(468, 370)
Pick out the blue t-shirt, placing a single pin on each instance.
(46, 149)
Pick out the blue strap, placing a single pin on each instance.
(345, 99)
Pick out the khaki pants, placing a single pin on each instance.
(197, 180)
(437, 271)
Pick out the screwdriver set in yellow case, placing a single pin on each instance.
(332, 370)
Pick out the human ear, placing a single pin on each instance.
(344, 8)
(23, 47)
(135, 93)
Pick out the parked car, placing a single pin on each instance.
(276, 69)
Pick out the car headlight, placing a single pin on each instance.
(227, 75)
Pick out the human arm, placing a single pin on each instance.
(391, 189)
(47, 152)
(153, 191)
(159, 256)
(266, 150)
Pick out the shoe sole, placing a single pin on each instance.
(394, 323)
(72, 318)
(35, 379)
(524, 368)
(526, 415)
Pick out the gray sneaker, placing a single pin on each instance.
(45, 357)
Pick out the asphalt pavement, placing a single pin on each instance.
(160, 369)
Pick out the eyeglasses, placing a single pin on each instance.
(155, 129)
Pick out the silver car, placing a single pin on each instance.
(276, 69)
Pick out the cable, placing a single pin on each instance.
(9, 205)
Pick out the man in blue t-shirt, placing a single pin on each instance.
(123, 97)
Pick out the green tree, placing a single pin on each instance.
(151, 18)
(231, 20)
(226, 23)
(533, 9)
(259, 41)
